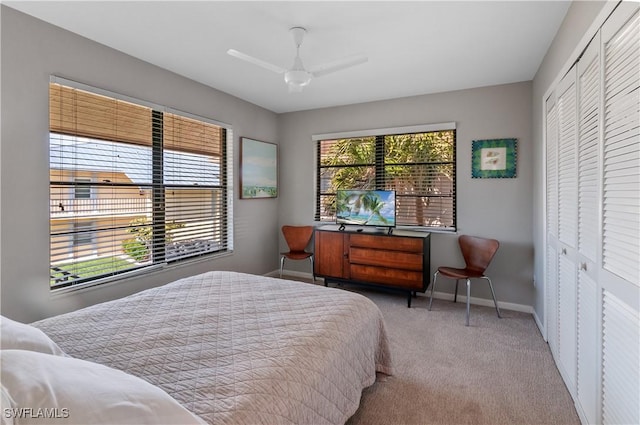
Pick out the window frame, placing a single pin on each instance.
(379, 164)
(224, 190)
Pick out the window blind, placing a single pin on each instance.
(131, 186)
(420, 167)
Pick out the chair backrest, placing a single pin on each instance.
(297, 237)
(477, 252)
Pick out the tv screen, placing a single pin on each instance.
(366, 207)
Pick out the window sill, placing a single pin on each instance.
(127, 278)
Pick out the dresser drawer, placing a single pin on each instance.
(385, 258)
(406, 279)
(397, 243)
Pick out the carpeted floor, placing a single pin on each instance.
(496, 371)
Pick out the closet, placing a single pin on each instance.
(592, 222)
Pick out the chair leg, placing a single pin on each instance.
(433, 285)
(455, 294)
(313, 270)
(281, 265)
(468, 298)
(493, 294)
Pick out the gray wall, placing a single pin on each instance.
(32, 51)
(557, 61)
(497, 208)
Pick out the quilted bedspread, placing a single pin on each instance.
(237, 348)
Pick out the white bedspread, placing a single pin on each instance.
(237, 348)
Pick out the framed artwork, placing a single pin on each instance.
(258, 169)
(495, 158)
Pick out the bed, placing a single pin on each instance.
(235, 348)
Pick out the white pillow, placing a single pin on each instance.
(20, 336)
(76, 391)
(5, 403)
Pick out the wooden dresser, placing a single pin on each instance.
(398, 262)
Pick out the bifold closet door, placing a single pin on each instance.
(589, 115)
(592, 218)
(567, 227)
(551, 272)
(619, 268)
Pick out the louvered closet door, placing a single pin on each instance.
(567, 227)
(619, 268)
(551, 272)
(589, 101)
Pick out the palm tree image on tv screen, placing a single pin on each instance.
(366, 207)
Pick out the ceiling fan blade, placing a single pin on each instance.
(339, 65)
(271, 67)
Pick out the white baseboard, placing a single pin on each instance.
(540, 325)
(483, 302)
(276, 273)
(438, 295)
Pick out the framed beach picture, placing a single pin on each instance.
(495, 158)
(258, 169)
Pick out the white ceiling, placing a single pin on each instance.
(414, 47)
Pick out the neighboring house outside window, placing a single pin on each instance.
(418, 164)
(132, 186)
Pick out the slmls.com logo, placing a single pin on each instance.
(39, 413)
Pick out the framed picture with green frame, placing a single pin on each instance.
(494, 158)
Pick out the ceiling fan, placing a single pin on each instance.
(297, 76)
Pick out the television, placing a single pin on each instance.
(366, 208)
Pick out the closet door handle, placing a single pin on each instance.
(583, 266)
(564, 251)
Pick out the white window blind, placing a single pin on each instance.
(621, 202)
(153, 186)
(420, 167)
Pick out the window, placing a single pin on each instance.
(83, 239)
(417, 162)
(132, 185)
(82, 189)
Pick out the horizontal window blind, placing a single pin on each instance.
(420, 167)
(131, 186)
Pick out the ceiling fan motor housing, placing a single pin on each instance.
(297, 77)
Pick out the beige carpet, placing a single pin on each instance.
(496, 371)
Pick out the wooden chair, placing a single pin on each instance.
(297, 238)
(477, 253)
